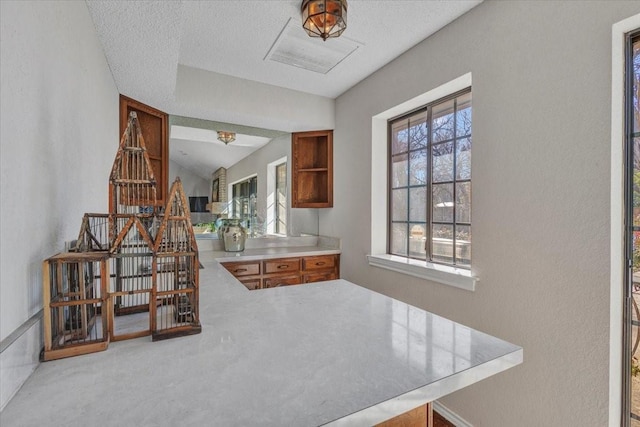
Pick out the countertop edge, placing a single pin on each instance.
(429, 393)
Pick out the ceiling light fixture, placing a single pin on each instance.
(226, 137)
(324, 18)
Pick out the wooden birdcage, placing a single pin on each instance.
(177, 271)
(75, 304)
(150, 251)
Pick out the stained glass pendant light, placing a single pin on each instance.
(226, 137)
(324, 18)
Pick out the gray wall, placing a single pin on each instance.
(192, 184)
(541, 177)
(59, 133)
(299, 221)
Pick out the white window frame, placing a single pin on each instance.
(271, 195)
(448, 275)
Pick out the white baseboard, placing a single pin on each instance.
(450, 416)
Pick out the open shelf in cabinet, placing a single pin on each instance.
(312, 169)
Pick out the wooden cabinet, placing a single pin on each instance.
(320, 268)
(272, 273)
(312, 169)
(281, 272)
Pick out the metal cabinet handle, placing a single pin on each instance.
(281, 266)
(239, 270)
(320, 263)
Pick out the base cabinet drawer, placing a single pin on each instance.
(282, 265)
(239, 269)
(274, 282)
(319, 262)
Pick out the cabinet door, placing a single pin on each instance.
(282, 265)
(277, 281)
(155, 131)
(240, 269)
(251, 284)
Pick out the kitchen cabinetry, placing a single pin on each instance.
(312, 169)
(271, 273)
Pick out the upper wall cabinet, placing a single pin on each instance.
(155, 131)
(312, 169)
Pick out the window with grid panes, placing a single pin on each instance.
(430, 182)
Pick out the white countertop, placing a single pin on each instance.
(328, 352)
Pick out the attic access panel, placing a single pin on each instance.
(294, 47)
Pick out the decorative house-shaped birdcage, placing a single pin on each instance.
(177, 270)
(135, 270)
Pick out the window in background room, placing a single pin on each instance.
(280, 205)
(430, 182)
(244, 201)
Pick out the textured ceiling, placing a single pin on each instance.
(145, 42)
(141, 41)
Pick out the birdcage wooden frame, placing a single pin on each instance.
(75, 304)
(132, 283)
(94, 233)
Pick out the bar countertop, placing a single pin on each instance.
(322, 353)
